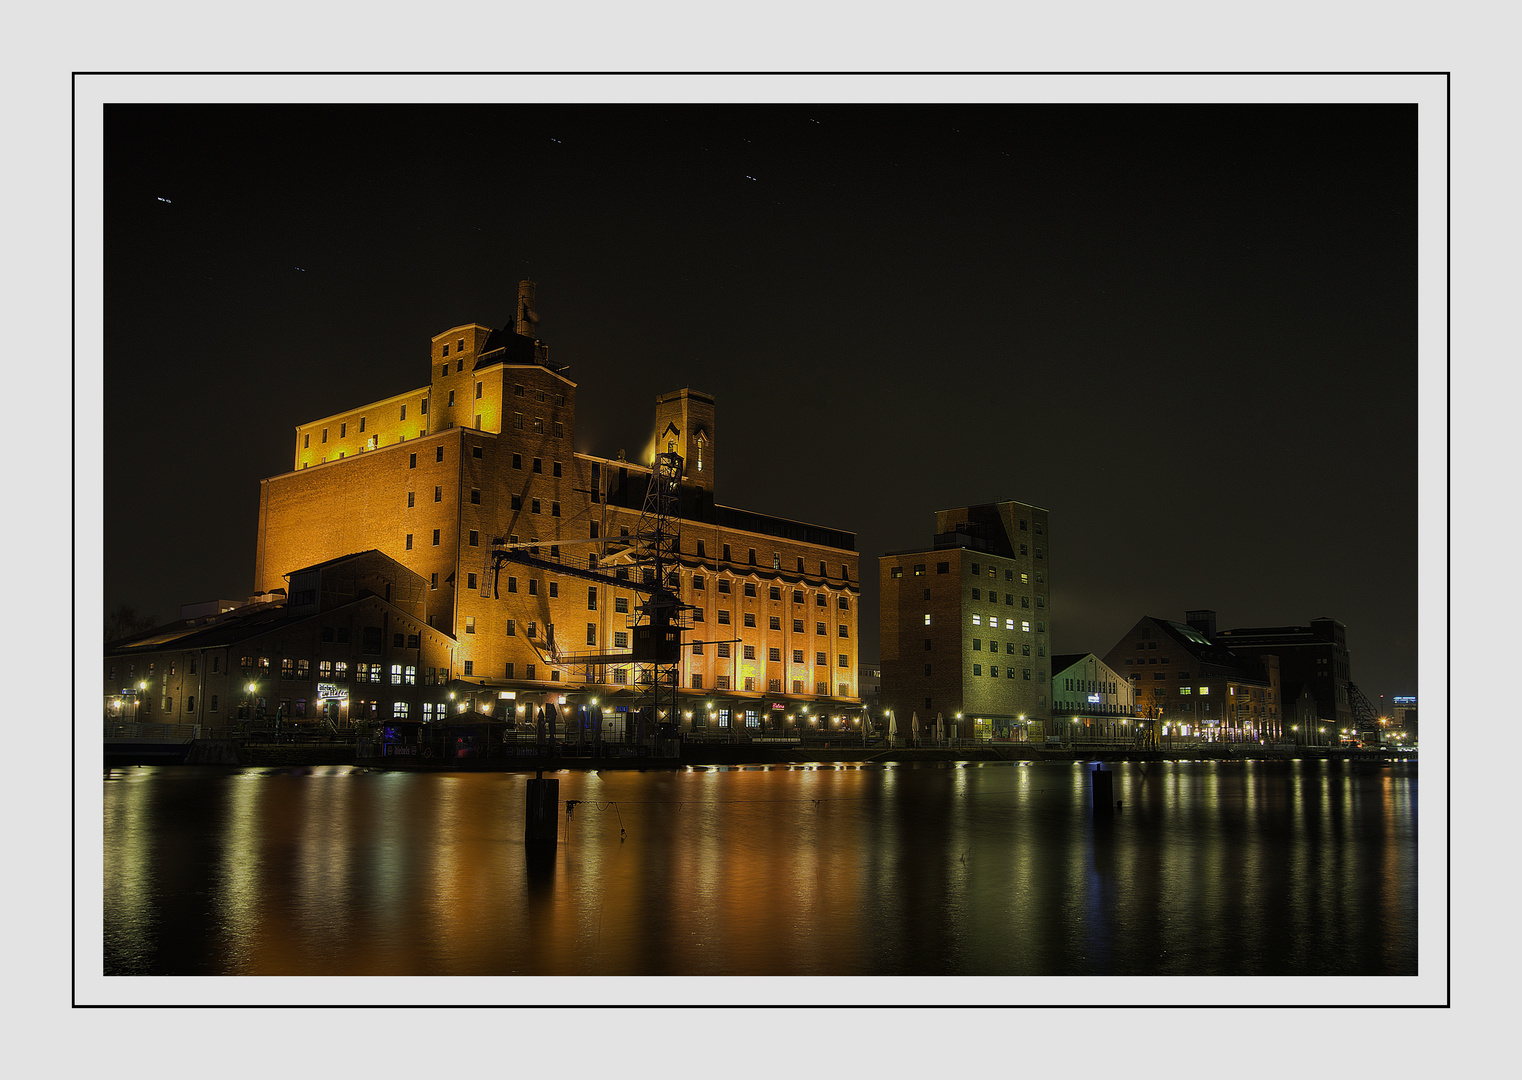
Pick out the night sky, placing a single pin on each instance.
(1190, 332)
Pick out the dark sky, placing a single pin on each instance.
(1190, 332)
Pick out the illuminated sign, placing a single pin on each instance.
(1094, 699)
(1399, 700)
(327, 691)
(777, 705)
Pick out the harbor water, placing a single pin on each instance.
(1206, 868)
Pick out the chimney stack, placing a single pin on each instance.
(526, 322)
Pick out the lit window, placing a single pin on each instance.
(927, 620)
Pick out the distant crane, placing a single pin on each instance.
(1365, 717)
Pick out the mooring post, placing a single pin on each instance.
(540, 822)
(1104, 790)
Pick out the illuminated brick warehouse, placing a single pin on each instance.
(533, 555)
(966, 625)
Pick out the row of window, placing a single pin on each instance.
(993, 646)
(343, 427)
(518, 392)
(750, 558)
(773, 686)
(1091, 686)
(1009, 672)
(1009, 599)
(774, 592)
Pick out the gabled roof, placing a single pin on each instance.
(1206, 651)
(232, 627)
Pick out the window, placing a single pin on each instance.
(724, 649)
(538, 465)
(775, 623)
(411, 464)
(797, 656)
(723, 585)
(774, 655)
(697, 681)
(775, 593)
(976, 595)
(726, 553)
(620, 639)
(475, 496)
(977, 669)
(927, 618)
(533, 586)
(723, 618)
(819, 629)
(750, 652)
(438, 453)
(1025, 627)
(697, 582)
(750, 619)
(423, 407)
(844, 662)
(470, 667)
(845, 631)
(409, 541)
(470, 624)
(750, 684)
(324, 434)
(752, 558)
(512, 628)
(554, 509)
(797, 626)
(621, 604)
(591, 633)
(697, 648)
(433, 580)
(897, 572)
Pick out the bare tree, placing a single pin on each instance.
(127, 622)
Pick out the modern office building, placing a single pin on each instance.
(478, 463)
(966, 624)
(1191, 685)
(1314, 657)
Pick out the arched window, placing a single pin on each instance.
(702, 445)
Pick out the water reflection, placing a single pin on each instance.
(1206, 868)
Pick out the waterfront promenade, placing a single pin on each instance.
(532, 755)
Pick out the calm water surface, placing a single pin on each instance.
(1210, 868)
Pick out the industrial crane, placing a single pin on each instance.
(1365, 717)
(652, 558)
